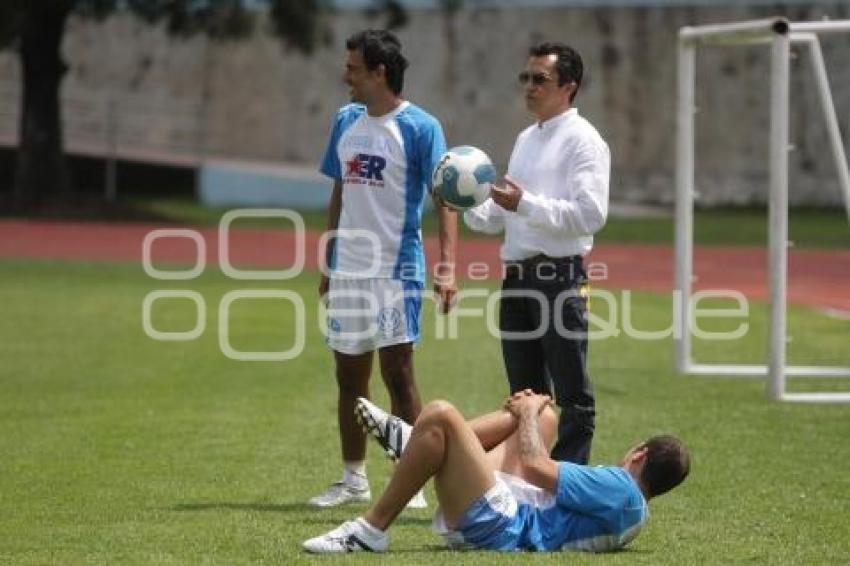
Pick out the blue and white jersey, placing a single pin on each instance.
(385, 165)
(595, 509)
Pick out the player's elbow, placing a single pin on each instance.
(531, 465)
(540, 470)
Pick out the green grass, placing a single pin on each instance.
(120, 449)
(808, 227)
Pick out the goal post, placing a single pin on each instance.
(779, 33)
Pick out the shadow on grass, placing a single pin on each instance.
(338, 515)
(496, 555)
(230, 506)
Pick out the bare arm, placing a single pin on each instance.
(538, 468)
(444, 279)
(334, 209)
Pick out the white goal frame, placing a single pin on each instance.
(780, 34)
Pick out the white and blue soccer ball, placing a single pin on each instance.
(463, 176)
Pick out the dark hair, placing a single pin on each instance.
(667, 464)
(380, 47)
(569, 66)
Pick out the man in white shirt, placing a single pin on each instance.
(380, 155)
(555, 197)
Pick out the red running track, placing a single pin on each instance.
(816, 278)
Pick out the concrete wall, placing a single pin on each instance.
(256, 100)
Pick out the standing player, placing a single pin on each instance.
(554, 199)
(381, 153)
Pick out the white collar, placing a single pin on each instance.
(554, 121)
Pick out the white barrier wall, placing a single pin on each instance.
(258, 101)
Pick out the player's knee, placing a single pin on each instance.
(437, 412)
(548, 416)
(548, 423)
(351, 388)
(400, 384)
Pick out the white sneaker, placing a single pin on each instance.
(351, 536)
(418, 501)
(339, 493)
(391, 432)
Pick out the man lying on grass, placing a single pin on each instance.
(497, 487)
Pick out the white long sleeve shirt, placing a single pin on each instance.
(563, 166)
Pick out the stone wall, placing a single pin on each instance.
(256, 100)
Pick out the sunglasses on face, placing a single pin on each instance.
(537, 79)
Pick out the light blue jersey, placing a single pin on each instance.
(385, 165)
(595, 509)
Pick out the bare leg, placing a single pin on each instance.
(397, 371)
(451, 450)
(352, 377)
(444, 446)
(506, 457)
(493, 428)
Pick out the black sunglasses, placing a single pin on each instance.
(537, 79)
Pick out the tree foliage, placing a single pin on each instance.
(297, 22)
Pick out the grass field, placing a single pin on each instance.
(808, 227)
(120, 449)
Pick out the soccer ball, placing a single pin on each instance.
(462, 177)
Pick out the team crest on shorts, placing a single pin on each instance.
(334, 325)
(389, 321)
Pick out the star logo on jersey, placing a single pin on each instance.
(365, 166)
(353, 166)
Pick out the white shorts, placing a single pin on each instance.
(368, 314)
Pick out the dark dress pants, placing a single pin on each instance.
(543, 323)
